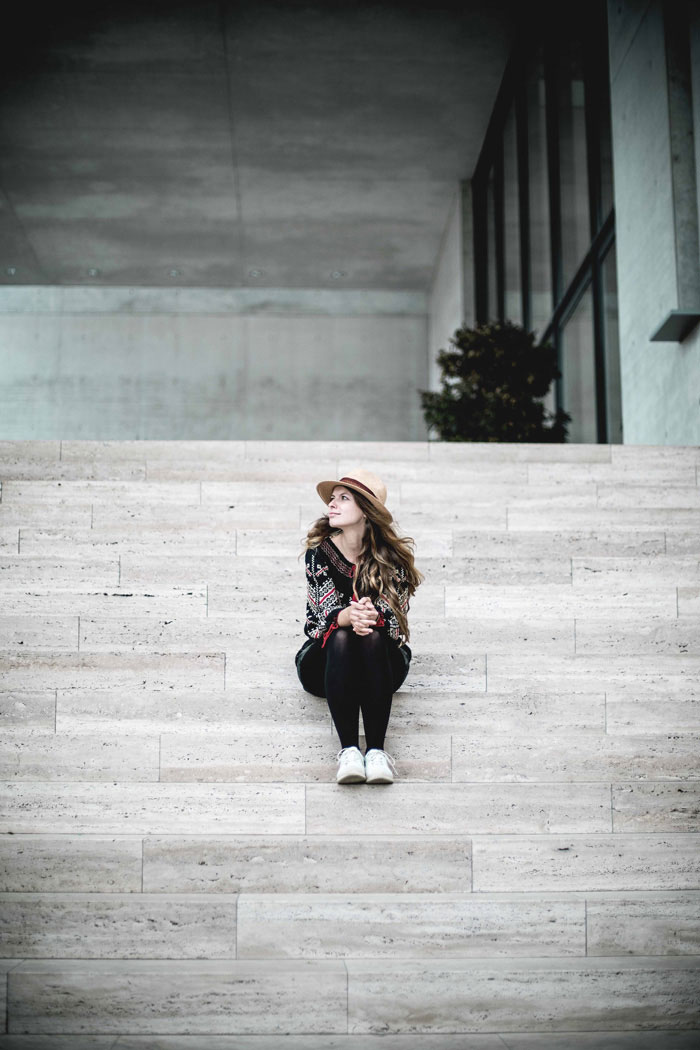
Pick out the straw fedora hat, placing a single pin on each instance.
(362, 481)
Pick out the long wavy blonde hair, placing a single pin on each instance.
(382, 553)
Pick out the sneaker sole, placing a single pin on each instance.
(351, 778)
(379, 780)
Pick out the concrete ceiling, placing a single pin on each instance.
(239, 144)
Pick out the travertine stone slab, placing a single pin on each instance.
(293, 482)
(689, 601)
(482, 492)
(58, 1042)
(469, 995)
(664, 1039)
(494, 634)
(458, 808)
(131, 542)
(193, 520)
(119, 493)
(285, 603)
(542, 864)
(657, 807)
(369, 864)
(249, 758)
(593, 672)
(398, 927)
(446, 672)
(489, 452)
(178, 997)
(576, 756)
(39, 632)
(113, 601)
(9, 539)
(484, 569)
(309, 1042)
(546, 601)
(177, 710)
(66, 757)
(176, 451)
(615, 473)
(70, 864)
(30, 450)
(442, 472)
(580, 542)
(286, 492)
(237, 471)
(25, 570)
(118, 926)
(92, 470)
(634, 571)
(643, 496)
(253, 543)
(213, 634)
(214, 569)
(644, 456)
(118, 670)
(639, 633)
(46, 515)
(683, 541)
(656, 926)
(356, 452)
(152, 809)
(27, 710)
(524, 713)
(643, 519)
(655, 713)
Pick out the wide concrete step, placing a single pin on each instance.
(663, 1039)
(349, 926)
(358, 996)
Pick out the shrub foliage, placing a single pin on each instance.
(493, 379)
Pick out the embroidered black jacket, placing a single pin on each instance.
(329, 577)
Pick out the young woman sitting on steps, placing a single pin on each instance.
(360, 576)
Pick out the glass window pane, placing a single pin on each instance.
(541, 305)
(492, 267)
(578, 372)
(575, 212)
(613, 390)
(511, 223)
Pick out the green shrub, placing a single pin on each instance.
(493, 379)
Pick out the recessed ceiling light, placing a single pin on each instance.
(256, 273)
(93, 272)
(11, 271)
(173, 273)
(337, 274)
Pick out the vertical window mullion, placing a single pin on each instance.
(521, 124)
(499, 223)
(599, 351)
(592, 104)
(481, 248)
(553, 170)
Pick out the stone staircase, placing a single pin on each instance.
(179, 869)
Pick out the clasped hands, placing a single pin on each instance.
(360, 615)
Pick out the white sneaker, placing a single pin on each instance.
(351, 766)
(379, 766)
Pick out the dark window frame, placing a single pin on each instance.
(512, 96)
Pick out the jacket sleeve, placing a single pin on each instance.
(323, 603)
(387, 615)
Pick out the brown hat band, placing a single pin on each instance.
(359, 485)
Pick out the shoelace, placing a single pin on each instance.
(345, 750)
(389, 758)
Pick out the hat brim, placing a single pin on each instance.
(325, 491)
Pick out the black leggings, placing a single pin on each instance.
(355, 673)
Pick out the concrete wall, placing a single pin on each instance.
(660, 381)
(451, 301)
(115, 364)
